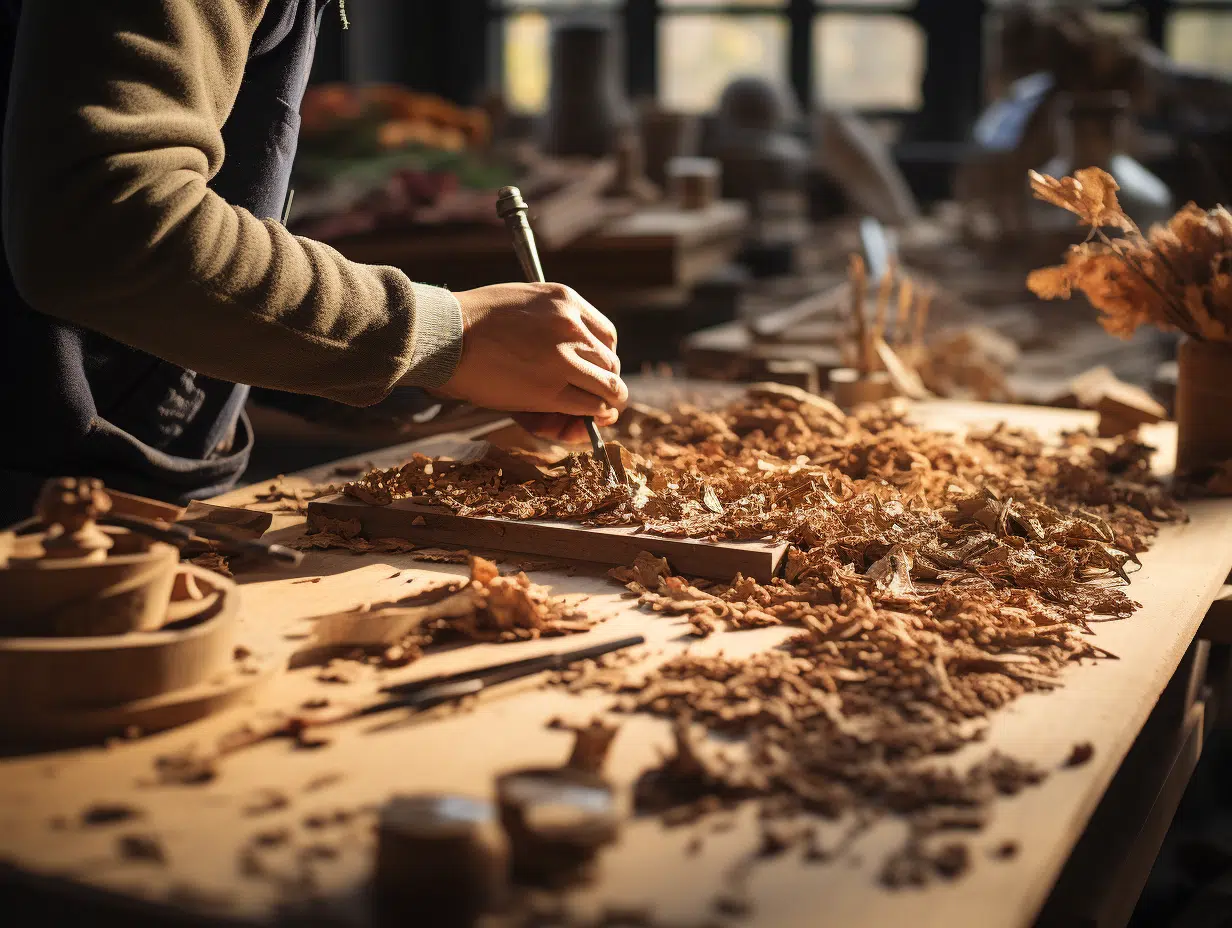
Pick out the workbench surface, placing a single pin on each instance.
(325, 798)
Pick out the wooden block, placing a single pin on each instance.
(800, 373)
(719, 560)
(1100, 389)
(1127, 402)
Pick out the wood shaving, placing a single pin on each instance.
(265, 802)
(141, 849)
(1080, 755)
(930, 580)
(187, 767)
(591, 746)
(294, 499)
(441, 555)
(485, 607)
(108, 813)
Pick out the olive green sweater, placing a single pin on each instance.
(112, 136)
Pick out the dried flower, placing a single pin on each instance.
(1179, 277)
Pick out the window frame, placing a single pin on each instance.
(946, 74)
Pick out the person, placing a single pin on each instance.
(147, 151)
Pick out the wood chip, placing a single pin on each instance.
(141, 848)
(109, 813)
(1080, 754)
(931, 580)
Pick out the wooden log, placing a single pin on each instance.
(714, 560)
(852, 388)
(443, 856)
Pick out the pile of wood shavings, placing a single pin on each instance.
(784, 464)
(328, 533)
(934, 578)
(485, 607)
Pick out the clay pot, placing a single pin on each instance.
(1203, 398)
(587, 111)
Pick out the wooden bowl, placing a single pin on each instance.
(52, 675)
(61, 597)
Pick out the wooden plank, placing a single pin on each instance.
(604, 545)
(782, 323)
(1110, 864)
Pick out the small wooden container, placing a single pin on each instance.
(693, 183)
(850, 387)
(557, 819)
(1203, 406)
(441, 859)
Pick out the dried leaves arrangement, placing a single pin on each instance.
(932, 579)
(1176, 277)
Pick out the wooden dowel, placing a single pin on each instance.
(906, 295)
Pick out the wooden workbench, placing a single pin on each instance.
(324, 865)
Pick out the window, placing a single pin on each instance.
(523, 29)
(699, 53)
(868, 61)
(866, 54)
(869, 55)
(1200, 34)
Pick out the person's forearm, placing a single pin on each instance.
(109, 224)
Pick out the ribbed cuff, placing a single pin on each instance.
(436, 344)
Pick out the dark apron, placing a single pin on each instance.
(78, 403)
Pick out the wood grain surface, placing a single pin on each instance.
(316, 805)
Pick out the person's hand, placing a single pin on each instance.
(540, 350)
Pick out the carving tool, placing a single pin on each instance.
(420, 695)
(183, 535)
(511, 208)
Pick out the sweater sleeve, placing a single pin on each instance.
(112, 134)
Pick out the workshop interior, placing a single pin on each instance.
(662, 463)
